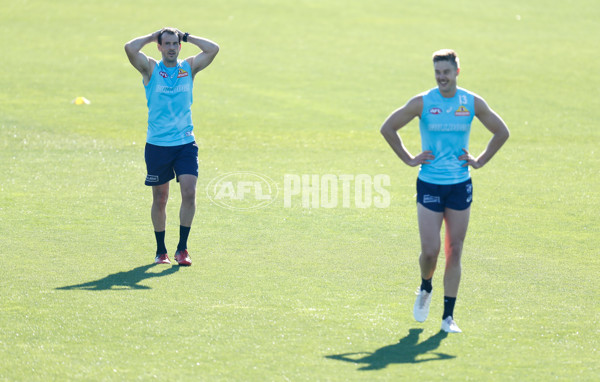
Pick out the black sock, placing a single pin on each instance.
(160, 243)
(426, 285)
(448, 306)
(184, 232)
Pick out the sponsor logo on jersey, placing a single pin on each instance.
(163, 74)
(171, 89)
(182, 73)
(462, 112)
(448, 127)
(435, 110)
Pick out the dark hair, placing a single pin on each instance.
(172, 31)
(447, 55)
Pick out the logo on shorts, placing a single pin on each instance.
(151, 178)
(428, 199)
(182, 73)
(462, 112)
(435, 110)
(469, 188)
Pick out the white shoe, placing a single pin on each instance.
(449, 326)
(421, 310)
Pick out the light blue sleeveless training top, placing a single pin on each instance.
(169, 95)
(445, 126)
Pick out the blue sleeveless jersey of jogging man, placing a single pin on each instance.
(169, 95)
(445, 127)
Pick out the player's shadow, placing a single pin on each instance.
(408, 350)
(124, 280)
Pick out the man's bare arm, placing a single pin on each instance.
(395, 122)
(209, 50)
(139, 60)
(496, 126)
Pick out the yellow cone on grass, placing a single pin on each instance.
(81, 101)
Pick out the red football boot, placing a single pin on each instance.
(183, 258)
(162, 259)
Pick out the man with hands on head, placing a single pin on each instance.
(171, 150)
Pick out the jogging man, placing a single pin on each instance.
(171, 150)
(444, 189)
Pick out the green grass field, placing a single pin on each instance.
(295, 294)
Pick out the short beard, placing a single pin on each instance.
(166, 59)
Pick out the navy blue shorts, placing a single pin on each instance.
(438, 197)
(163, 163)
